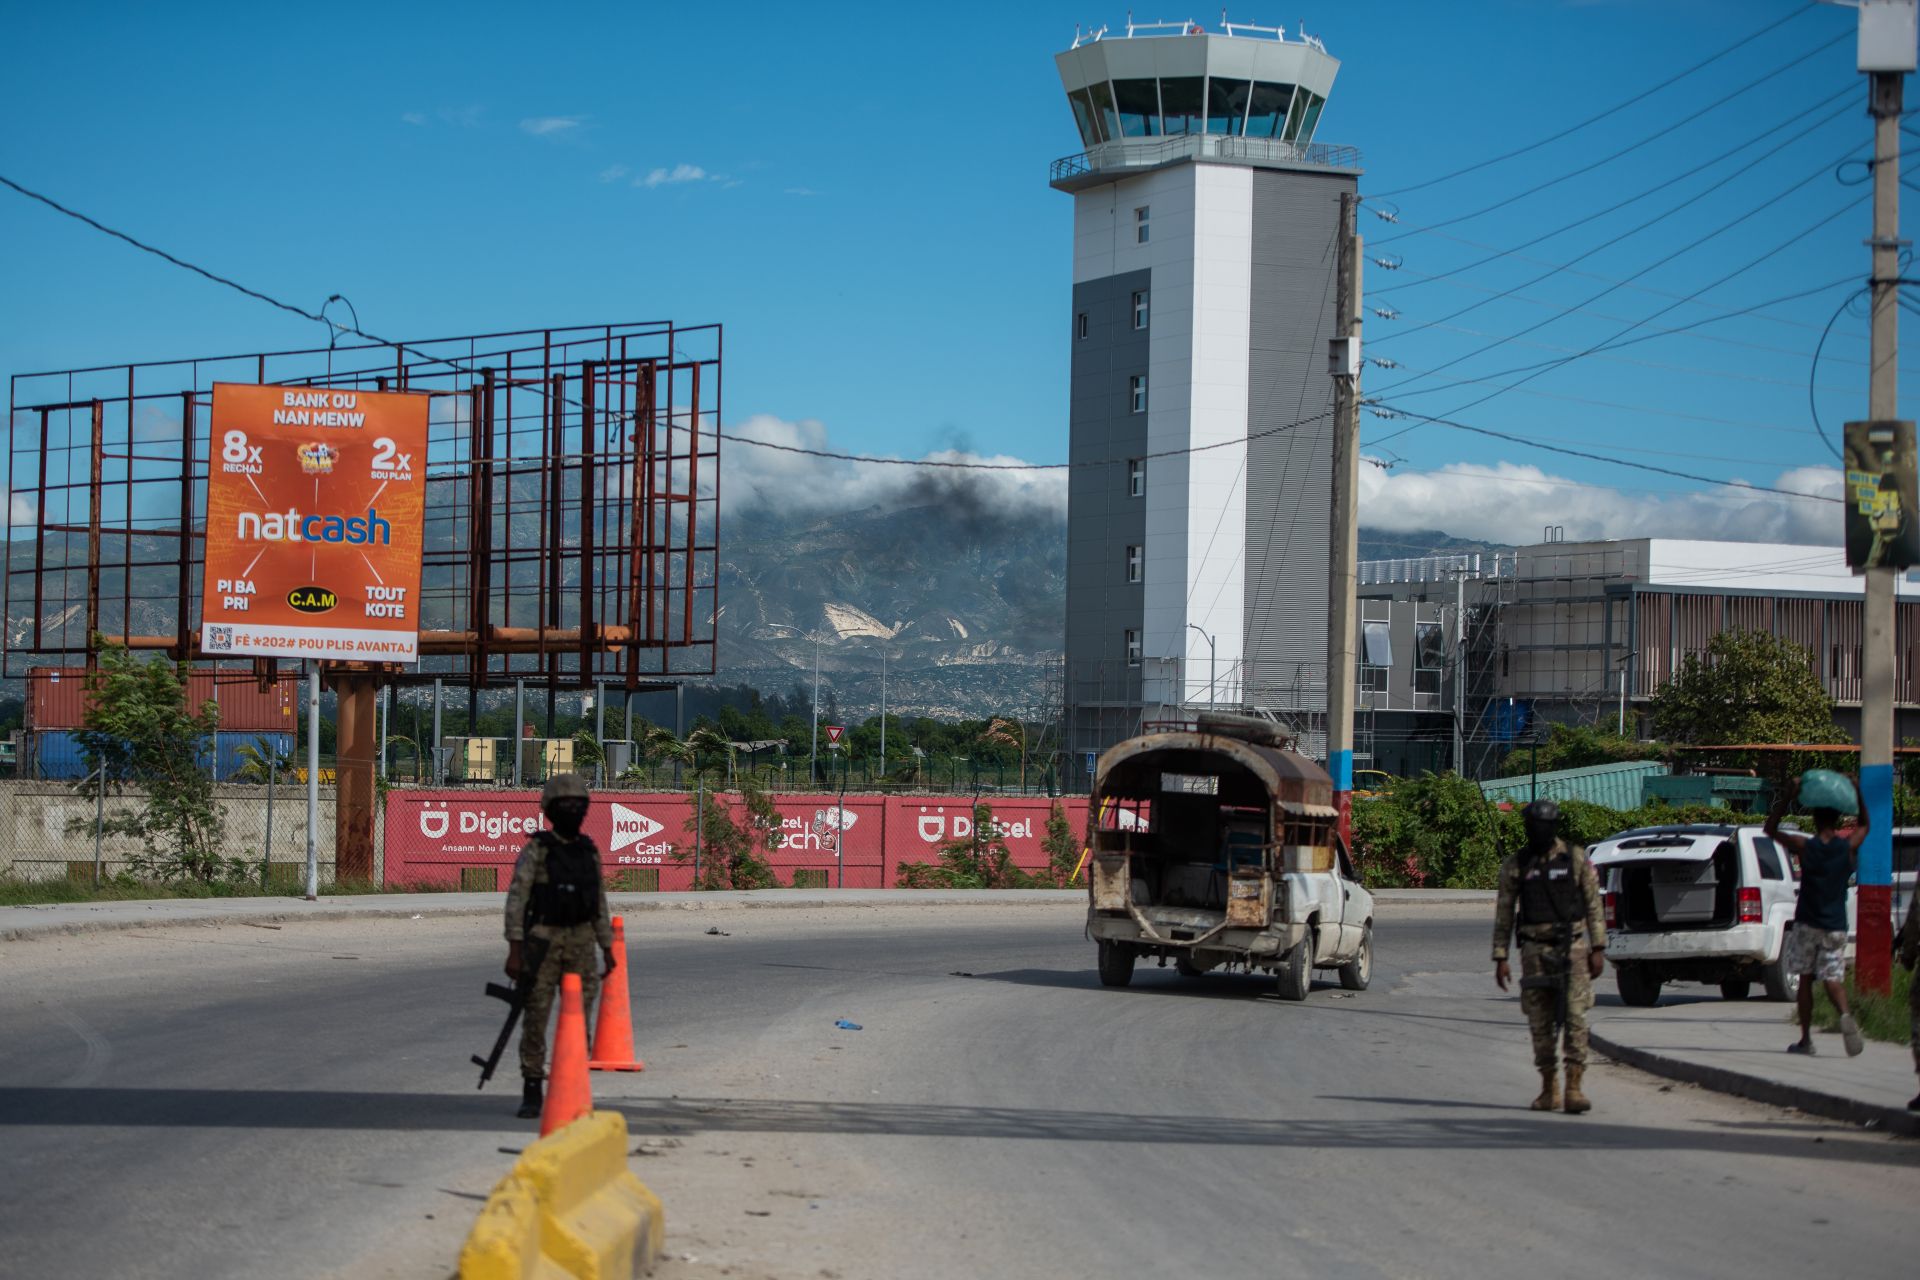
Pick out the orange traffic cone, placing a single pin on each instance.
(569, 1095)
(613, 1030)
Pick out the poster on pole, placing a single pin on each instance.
(1882, 506)
(315, 507)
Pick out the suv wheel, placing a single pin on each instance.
(1294, 978)
(1774, 981)
(1637, 987)
(1736, 989)
(1356, 973)
(1116, 964)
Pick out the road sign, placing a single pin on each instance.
(833, 734)
(315, 512)
(1091, 757)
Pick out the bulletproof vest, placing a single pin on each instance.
(1549, 893)
(571, 894)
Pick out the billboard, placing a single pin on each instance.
(472, 837)
(315, 511)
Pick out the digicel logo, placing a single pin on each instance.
(630, 827)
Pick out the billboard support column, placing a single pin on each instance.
(357, 694)
(313, 781)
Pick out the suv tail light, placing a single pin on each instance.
(1613, 910)
(1749, 906)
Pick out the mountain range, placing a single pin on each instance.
(967, 599)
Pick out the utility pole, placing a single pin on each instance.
(883, 713)
(1886, 54)
(1344, 530)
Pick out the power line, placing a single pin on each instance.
(1590, 456)
(1459, 380)
(1608, 112)
(1771, 133)
(1721, 230)
(942, 464)
(1787, 243)
(1681, 123)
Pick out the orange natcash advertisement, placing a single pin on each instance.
(315, 505)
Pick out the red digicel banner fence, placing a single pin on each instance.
(470, 839)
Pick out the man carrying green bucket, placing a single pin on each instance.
(1817, 945)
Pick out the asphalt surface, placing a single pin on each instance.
(294, 1101)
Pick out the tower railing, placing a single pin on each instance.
(1150, 153)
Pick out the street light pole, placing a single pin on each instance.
(813, 754)
(1213, 662)
(883, 714)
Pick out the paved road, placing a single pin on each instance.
(243, 1101)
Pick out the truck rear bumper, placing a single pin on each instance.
(1180, 937)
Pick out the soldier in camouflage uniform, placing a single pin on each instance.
(558, 895)
(1910, 959)
(1552, 890)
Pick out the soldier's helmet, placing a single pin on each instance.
(1541, 811)
(563, 786)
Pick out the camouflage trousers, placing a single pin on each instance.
(571, 949)
(1537, 959)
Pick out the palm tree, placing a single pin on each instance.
(659, 743)
(258, 760)
(704, 743)
(1003, 732)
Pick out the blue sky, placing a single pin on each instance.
(860, 195)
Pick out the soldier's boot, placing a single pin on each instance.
(1549, 1098)
(530, 1099)
(1576, 1102)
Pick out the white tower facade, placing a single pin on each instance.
(1205, 219)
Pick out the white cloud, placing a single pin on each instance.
(551, 126)
(668, 177)
(754, 476)
(415, 118)
(1509, 502)
(802, 191)
(614, 172)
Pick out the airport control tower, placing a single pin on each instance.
(1204, 235)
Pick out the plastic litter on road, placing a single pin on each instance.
(844, 1025)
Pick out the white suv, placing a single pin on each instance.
(1697, 903)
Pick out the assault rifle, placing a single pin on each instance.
(533, 953)
(1560, 972)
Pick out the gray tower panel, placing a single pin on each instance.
(1296, 222)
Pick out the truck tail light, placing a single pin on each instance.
(1749, 906)
(1613, 911)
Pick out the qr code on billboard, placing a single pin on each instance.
(219, 639)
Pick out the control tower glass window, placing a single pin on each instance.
(1294, 116)
(1142, 223)
(1139, 102)
(1180, 103)
(1268, 113)
(1312, 119)
(1103, 109)
(1227, 104)
(1083, 115)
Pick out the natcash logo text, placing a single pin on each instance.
(291, 526)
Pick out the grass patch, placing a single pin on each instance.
(1880, 1017)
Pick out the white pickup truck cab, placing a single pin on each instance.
(1213, 846)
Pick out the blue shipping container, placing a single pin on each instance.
(57, 755)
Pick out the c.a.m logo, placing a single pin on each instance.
(312, 599)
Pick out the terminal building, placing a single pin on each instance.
(1504, 644)
(1206, 218)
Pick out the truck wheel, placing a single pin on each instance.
(1294, 978)
(1356, 973)
(1116, 964)
(1736, 989)
(1637, 987)
(1774, 981)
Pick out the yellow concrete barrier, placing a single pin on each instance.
(570, 1208)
